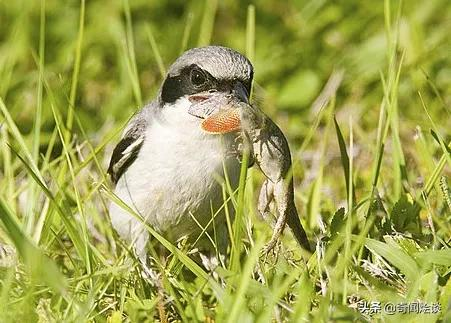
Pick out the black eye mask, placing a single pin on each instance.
(191, 80)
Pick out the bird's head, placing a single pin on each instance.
(205, 78)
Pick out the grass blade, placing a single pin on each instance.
(75, 73)
(344, 160)
(41, 267)
(401, 260)
(64, 214)
(156, 52)
(207, 24)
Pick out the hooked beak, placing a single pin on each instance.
(240, 92)
(207, 103)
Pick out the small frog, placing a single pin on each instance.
(268, 147)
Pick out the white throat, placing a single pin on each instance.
(175, 116)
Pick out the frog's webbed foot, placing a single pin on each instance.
(269, 252)
(240, 146)
(234, 148)
(276, 234)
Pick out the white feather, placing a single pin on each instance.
(176, 173)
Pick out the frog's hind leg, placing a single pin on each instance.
(280, 197)
(264, 200)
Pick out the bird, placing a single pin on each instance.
(165, 167)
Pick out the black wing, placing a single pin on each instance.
(127, 150)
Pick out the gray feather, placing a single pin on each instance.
(127, 150)
(220, 62)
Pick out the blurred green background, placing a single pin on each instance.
(297, 46)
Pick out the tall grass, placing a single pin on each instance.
(371, 161)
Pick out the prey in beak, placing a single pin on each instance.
(269, 148)
(220, 110)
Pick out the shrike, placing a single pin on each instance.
(165, 167)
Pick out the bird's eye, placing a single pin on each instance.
(198, 78)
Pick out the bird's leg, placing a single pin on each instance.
(211, 254)
(161, 303)
(140, 243)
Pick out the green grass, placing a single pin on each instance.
(371, 160)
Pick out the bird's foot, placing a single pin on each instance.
(211, 263)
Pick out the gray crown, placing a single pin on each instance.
(220, 62)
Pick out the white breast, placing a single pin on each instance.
(176, 176)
